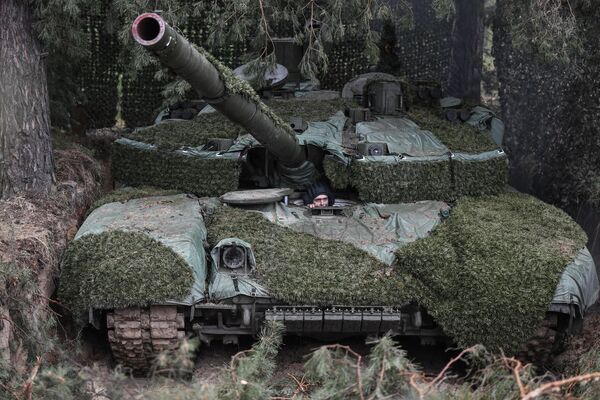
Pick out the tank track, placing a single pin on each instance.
(137, 335)
(546, 343)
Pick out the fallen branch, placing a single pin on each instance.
(553, 386)
(453, 361)
(27, 389)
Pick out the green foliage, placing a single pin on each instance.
(170, 170)
(490, 271)
(121, 269)
(127, 193)
(337, 372)
(250, 372)
(177, 363)
(61, 382)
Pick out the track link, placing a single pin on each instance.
(547, 342)
(138, 335)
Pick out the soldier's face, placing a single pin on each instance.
(319, 201)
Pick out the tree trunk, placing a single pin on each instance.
(26, 164)
(467, 50)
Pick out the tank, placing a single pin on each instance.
(262, 247)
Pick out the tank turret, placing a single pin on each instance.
(176, 53)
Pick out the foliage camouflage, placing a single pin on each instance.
(474, 178)
(173, 135)
(121, 269)
(337, 172)
(427, 180)
(169, 170)
(487, 275)
(552, 136)
(304, 269)
(127, 193)
(176, 134)
(458, 137)
(309, 110)
(490, 271)
(403, 181)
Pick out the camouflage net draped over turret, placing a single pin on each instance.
(424, 51)
(487, 274)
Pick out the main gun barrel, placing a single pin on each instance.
(176, 53)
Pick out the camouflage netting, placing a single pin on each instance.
(138, 166)
(99, 76)
(424, 51)
(303, 269)
(403, 181)
(176, 134)
(309, 110)
(476, 167)
(551, 113)
(121, 269)
(487, 274)
(173, 135)
(490, 271)
(142, 96)
(128, 193)
(477, 177)
(457, 136)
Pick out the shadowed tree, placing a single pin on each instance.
(25, 148)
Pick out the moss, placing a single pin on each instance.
(490, 271)
(121, 269)
(127, 193)
(302, 269)
(458, 137)
(194, 133)
(169, 170)
(402, 182)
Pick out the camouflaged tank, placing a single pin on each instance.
(424, 237)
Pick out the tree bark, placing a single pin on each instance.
(26, 164)
(467, 50)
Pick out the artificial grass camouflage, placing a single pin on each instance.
(475, 178)
(487, 274)
(173, 135)
(319, 110)
(402, 181)
(170, 170)
(406, 181)
(121, 269)
(458, 137)
(129, 193)
(303, 269)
